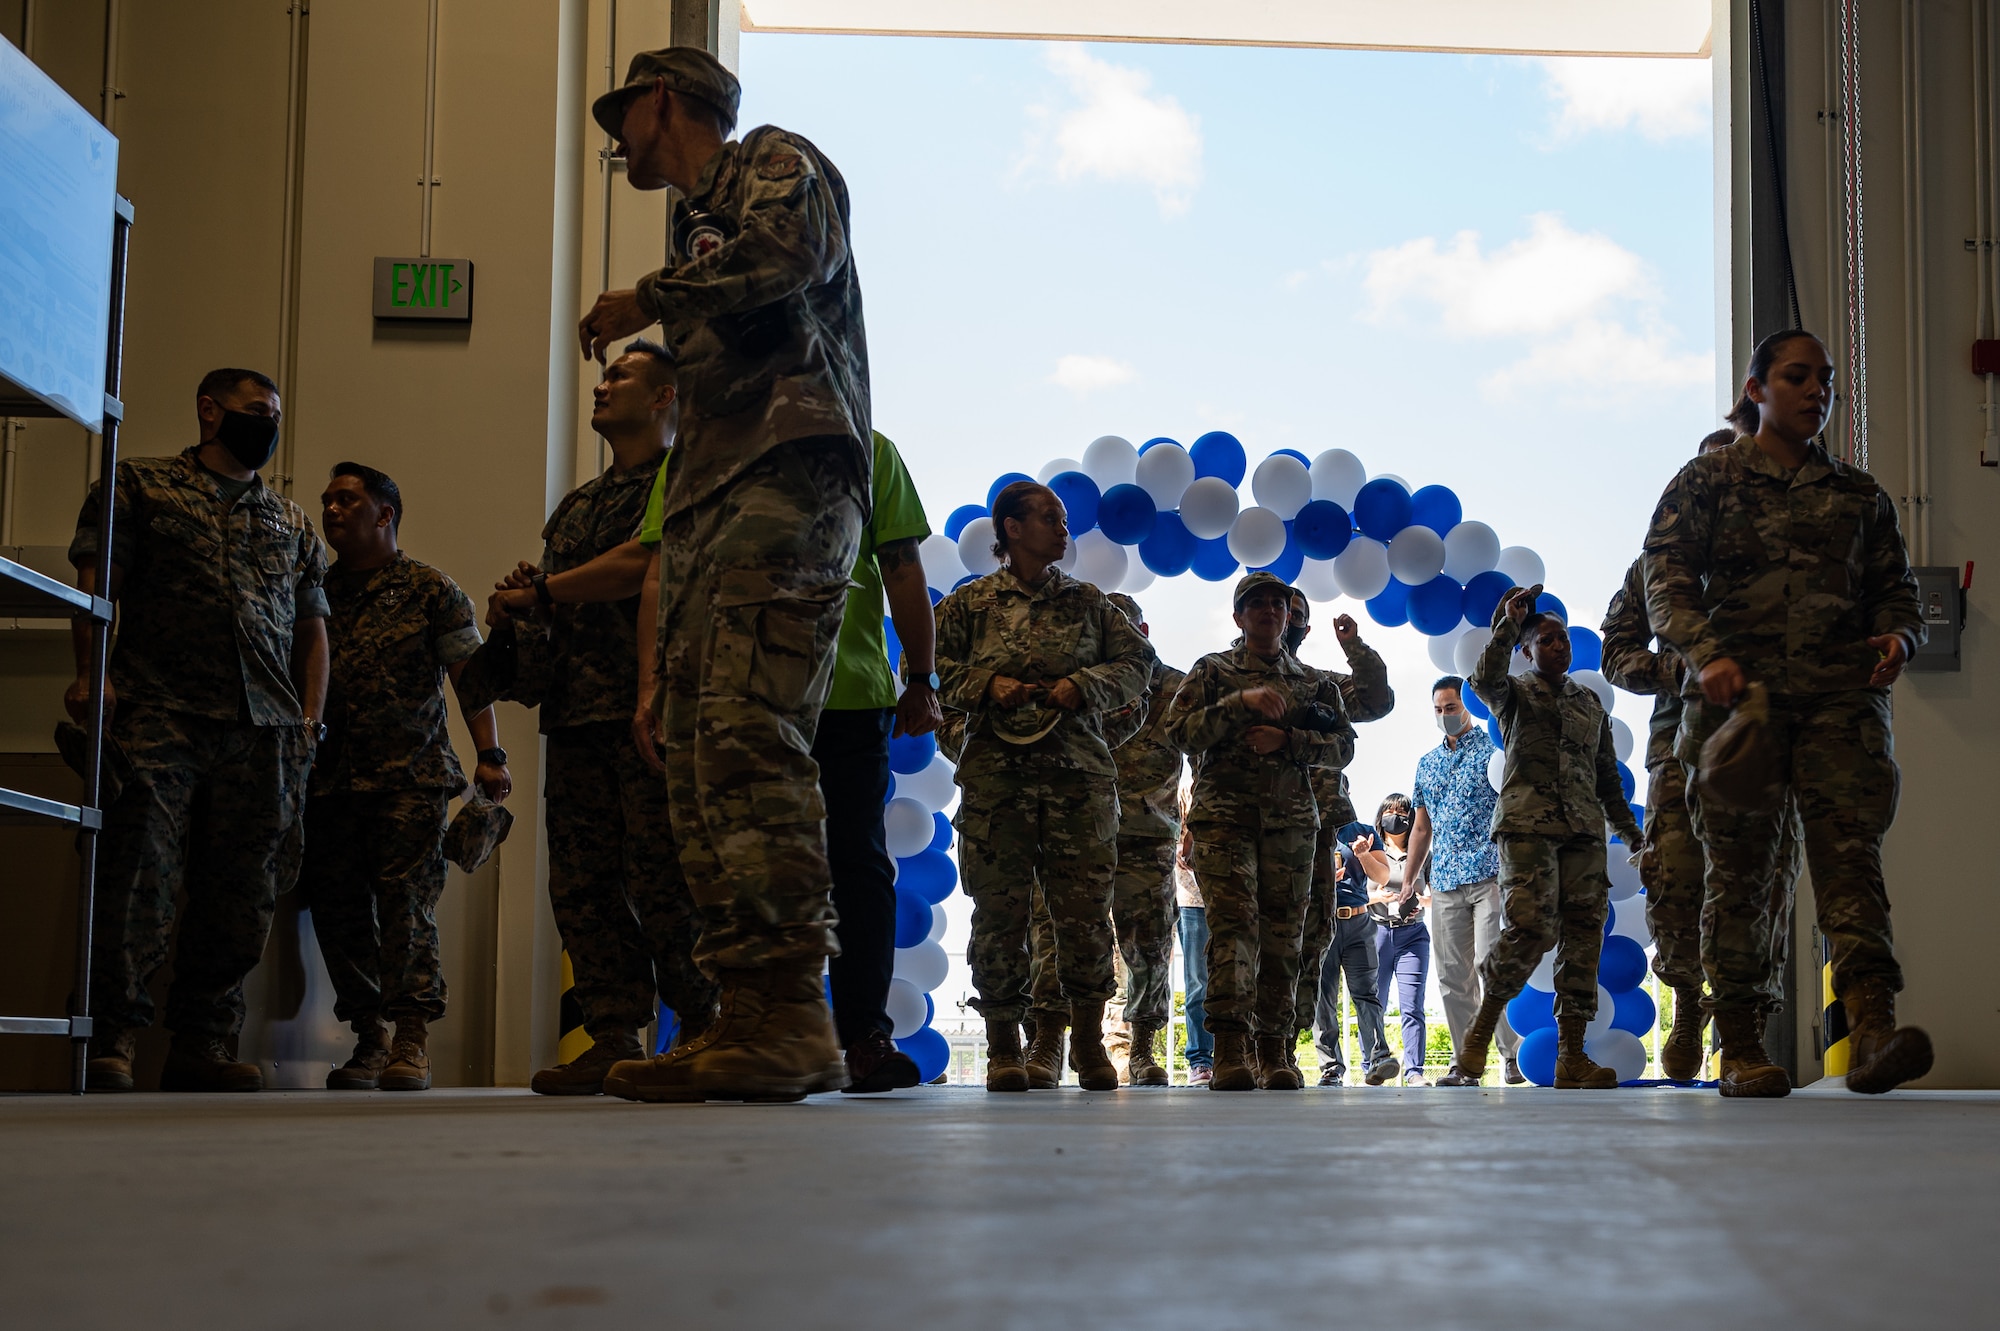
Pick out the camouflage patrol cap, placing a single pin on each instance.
(1252, 582)
(686, 69)
(1739, 762)
(1128, 605)
(476, 832)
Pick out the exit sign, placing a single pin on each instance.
(423, 289)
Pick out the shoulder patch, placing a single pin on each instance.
(780, 165)
(1666, 521)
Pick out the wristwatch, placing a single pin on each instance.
(929, 681)
(493, 757)
(540, 582)
(316, 728)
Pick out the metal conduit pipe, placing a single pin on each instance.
(429, 182)
(1982, 95)
(300, 16)
(606, 170)
(10, 447)
(1916, 374)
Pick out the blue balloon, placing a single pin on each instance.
(1160, 439)
(1287, 564)
(1483, 596)
(1212, 560)
(893, 643)
(913, 919)
(1170, 549)
(937, 595)
(1436, 606)
(1537, 1056)
(1293, 453)
(929, 874)
(1549, 604)
(930, 1051)
(1586, 650)
(1436, 507)
(941, 838)
(1627, 781)
(1322, 529)
(1126, 514)
(1634, 1011)
(1218, 454)
(1638, 815)
(1079, 495)
(1382, 509)
(970, 577)
(1623, 965)
(1475, 704)
(911, 753)
(1493, 733)
(961, 516)
(1392, 607)
(1532, 1010)
(993, 494)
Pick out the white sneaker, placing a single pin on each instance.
(1414, 1077)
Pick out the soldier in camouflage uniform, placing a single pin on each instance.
(375, 816)
(765, 498)
(1769, 562)
(1559, 789)
(216, 685)
(1034, 659)
(1256, 823)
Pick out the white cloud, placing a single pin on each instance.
(1662, 99)
(1116, 131)
(1603, 360)
(1084, 374)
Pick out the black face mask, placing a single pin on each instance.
(250, 439)
(1295, 635)
(1395, 824)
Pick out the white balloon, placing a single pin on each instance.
(1208, 506)
(1257, 537)
(1470, 549)
(975, 547)
(1465, 655)
(1164, 471)
(1518, 663)
(1416, 555)
(906, 1008)
(938, 925)
(1442, 649)
(1338, 475)
(1496, 769)
(1624, 875)
(1110, 461)
(1068, 561)
(1607, 1009)
(1282, 484)
(942, 566)
(924, 966)
(1051, 470)
(908, 827)
(1392, 476)
(1523, 565)
(1100, 561)
(1544, 977)
(932, 787)
(1137, 577)
(1622, 742)
(1628, 917)
(1319, 579)
(1621, 1051)
(1597, 684)
(1362, 569)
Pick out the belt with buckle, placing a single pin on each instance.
(1348, 912)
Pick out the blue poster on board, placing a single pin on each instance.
(58, 186)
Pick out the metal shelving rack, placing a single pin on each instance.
(28, 594)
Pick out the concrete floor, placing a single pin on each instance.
(948, 1207)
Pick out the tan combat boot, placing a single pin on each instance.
(1274, 1069)
(1045, 1050)
(1747, 1071)
(1118, 1048)
(1882, 1056)
(1005, 1068)
(203, 1063)
(409, 1061)
(1479, 1039)
(1574, 1069)
(1142, 1067)
(1232, 1070)
(1680, 1052)
(1094, 1071)
(363, 1070)
(773, 1042)
(110, 1065)
(584, 1074)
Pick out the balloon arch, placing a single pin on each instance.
(1328, 528)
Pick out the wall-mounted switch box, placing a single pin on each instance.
(1941, 599)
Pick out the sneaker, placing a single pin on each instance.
(1457, 1078)
(1200, 1074)
(1510, 1072)
(1385, 1071)
(1331, 1077)
(1415, 1077)
(875, 1064)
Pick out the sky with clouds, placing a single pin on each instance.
(1493, 273)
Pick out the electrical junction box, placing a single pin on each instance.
(1941, 599)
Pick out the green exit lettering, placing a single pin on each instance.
(430, 285)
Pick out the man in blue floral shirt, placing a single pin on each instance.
(1452, 839)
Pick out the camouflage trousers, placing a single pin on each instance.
(1316, 933)
(1553, 893)
(212, 808)
(1142, 921)
(1046, 830)
(374, 870)
(615, 885)
(1671, 869)
(1838, 756)
(753, 581)
(1255, 881)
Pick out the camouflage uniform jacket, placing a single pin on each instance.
(1367, 697)
(1149, 766)
(1562, 775)
(595, 647)
(1062, 629)
(1787, 574)
(766, 326)
(1232, 782)
(393, 632)
(211, 596)
(1631, 663)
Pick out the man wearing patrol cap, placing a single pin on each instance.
(763, 504)
(1254, 723)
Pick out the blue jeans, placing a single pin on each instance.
(1351, 954)
(1193, 929)
(1406, 959)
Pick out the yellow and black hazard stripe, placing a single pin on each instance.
(1834, 1048)
(572, 1039)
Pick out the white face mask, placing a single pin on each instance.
(1453, 723)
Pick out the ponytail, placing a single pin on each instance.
(1745, 415)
